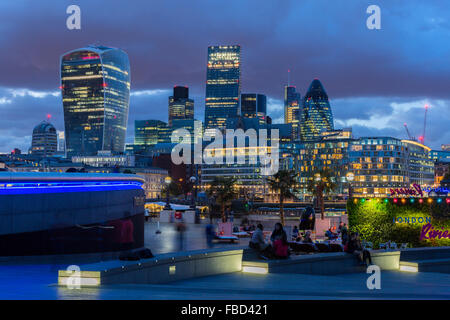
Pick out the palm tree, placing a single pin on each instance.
(284, 184)
(222, 189)
(322, 182)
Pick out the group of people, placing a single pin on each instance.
(342, 232)
(354, 246)
(301, 237)
(278, 246)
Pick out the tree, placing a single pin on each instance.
(283, 183)
(322, 182)
(173, 188)
(222, 188)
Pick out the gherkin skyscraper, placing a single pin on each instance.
(316, 115)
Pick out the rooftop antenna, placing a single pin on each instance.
(289, 77)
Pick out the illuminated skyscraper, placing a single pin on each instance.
(254, 105)
(316, 115)
(292, 109)
(180, 106)
(95, 84)
(223, 85)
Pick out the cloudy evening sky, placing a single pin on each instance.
(376, 79)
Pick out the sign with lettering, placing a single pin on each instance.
(428, 232)
(139, 201)
(416, 190)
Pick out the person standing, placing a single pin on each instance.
(181, 228)
(344, 234)
(210, 233)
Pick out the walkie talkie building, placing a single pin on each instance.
(95, 85)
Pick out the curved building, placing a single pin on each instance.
(95, 84)
(67, 213)
(44, 141)
(316, 115)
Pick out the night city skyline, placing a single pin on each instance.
(376, 80)
(218, 158)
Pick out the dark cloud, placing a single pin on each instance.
(167, 45)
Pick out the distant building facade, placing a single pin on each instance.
(180, 106)
(254, 105)
(95, 85)
(420, 166)
(151, 132)
(44, 140)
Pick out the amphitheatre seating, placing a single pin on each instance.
(322, 247)
(335, 247)
(430, 259)
(302, 247)
(159, 269)
(327, 263)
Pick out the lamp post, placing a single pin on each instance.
(350, 177)
(167, 181)
(193, 181)
(317, 179)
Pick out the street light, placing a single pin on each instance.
(317, 177)
(167, 181)
(193, 181)
(350, 177)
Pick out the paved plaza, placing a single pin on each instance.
(38, 281)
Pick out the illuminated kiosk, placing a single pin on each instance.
(68, 213)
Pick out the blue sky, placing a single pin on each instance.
(376, 79)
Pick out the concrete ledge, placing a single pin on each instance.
(432, 265)
(386, 259)
(163, 268)
(323, 263)
(79, 258)
(425, 253)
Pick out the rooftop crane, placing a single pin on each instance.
(407, 131)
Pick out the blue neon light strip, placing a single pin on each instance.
(61, 187)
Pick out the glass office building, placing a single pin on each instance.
(292, 104)
(331, 152)
(151, 132)
(378, 164)
(223, 85)
(95, 84)
(254, 105)
(421, 167)
(316, 115)
(180, 106)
